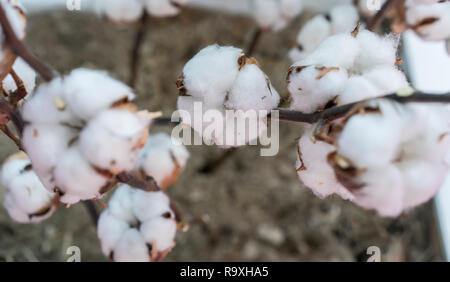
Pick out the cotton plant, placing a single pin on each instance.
(376, 159)
(26, 74)
(124, 11)
(430, 19)
(274, 15)
(137, 226)
(346, 68)
(89, 133)
(223, 81)
(26, 199)
(339, 19)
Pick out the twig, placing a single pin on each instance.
(257, 34)
(136, 51)
(19, 48)
(338, 112)
(21, 90)
(381, 15)
(92, 211)
(148, 185)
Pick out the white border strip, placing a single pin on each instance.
(429, 68)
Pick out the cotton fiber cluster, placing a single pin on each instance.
(345, 68)
(123, 11)
(430, 19)
(26, 199)
(390, 157)
(163, 159)
(231, 90)
(81, 131)
(340, 19)
(137, 226)
(275, 15)
(17, 19)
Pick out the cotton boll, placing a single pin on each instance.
(337, 50)
(212, 72)
(49, 96)
(122, 11)
(16, 17)
(313, 169)
(252, 90)
(422, 180)
(136, 224)
(375, 50)
(383, 191)
(85, 100)
(110, 230)
(26, 200)
(26, 74)
(131, 248)
(161, 231)
(76, 178)
(111, 140)
(147, 206)
(162, 159)
(45, 145)
(430, 22)
(310, 36)
(312, 87)
(266, 13)
(344, 18)
(163, 8)
(291, 8)
(371, 139)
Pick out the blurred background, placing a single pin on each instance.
(253, 208)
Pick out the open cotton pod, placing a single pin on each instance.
(125, 11)
(223, 88)
(90, 133)
(384, 163)
(430, 21)
(137, 226)
(26, 199)
(163, 159)
(17, 20)
(339, 19)
(274, 15)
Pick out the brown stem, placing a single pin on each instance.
(148, 185)
(19, 48)
(11, 136)
(338, 112)
(135, 52)
(92, 211)
(257, 34)
(21, 90)
(381, 15)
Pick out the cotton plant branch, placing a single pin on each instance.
(136, 50)
(256, 38)
(20, 50)
(340, 111)
(148, 184)
(381, 14)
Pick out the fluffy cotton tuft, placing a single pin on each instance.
(26, 199)
(137, 226)
(276, 14)
(124, 11)
(429, 19)
(163, 159)
(89, 133)
(231, 92)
